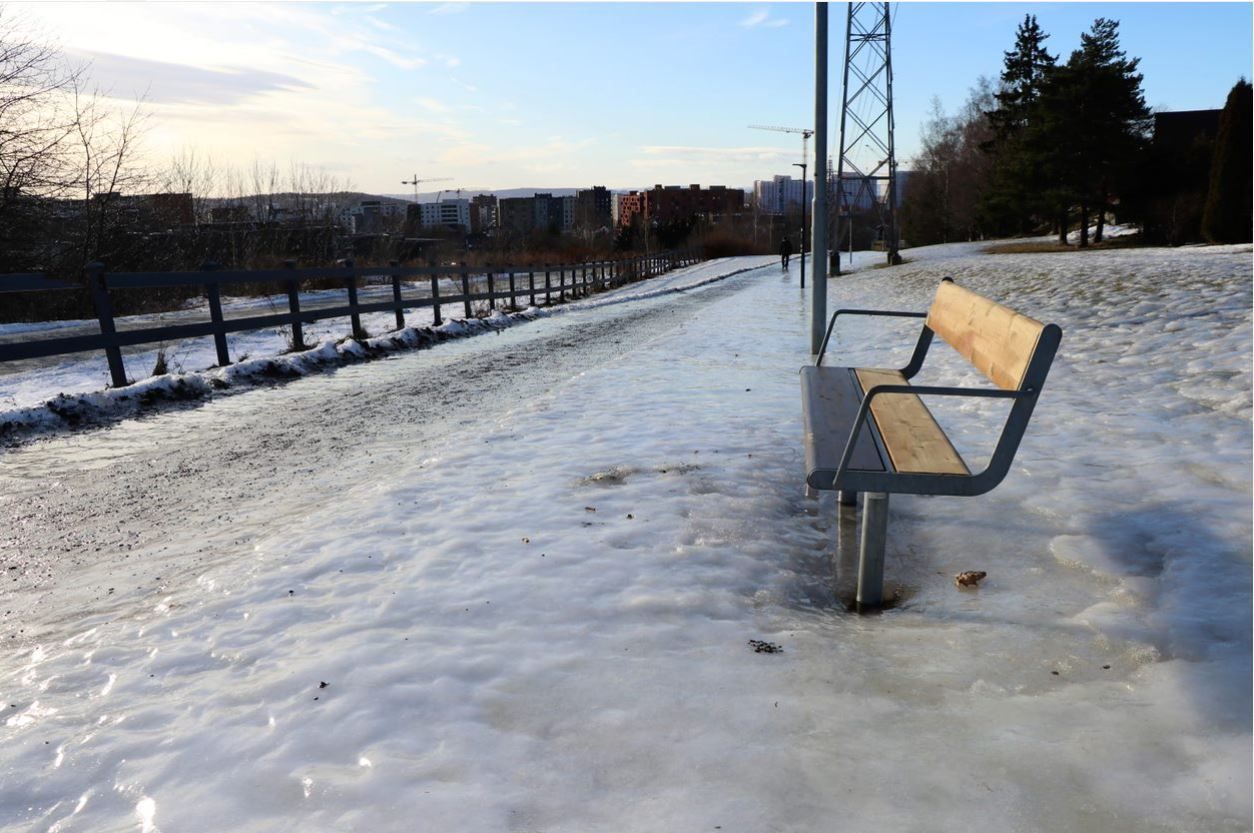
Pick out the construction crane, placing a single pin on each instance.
(416, 181)
(805, 132)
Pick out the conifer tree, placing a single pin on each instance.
(1094, 123)
(1013, 195)
(1227, 216)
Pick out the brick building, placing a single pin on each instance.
(630, 205)
(673, 202)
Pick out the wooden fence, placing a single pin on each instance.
(493, 284)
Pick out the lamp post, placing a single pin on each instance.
(802, 166)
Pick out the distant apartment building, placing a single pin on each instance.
(552, 213)
(149, 210)
(593, 208)
(781, 194)
(516, 214)
(483, 216)
(673, 202)
(448, 213)
(630, 206)
(370, 216)
(862, 193)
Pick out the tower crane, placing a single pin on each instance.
(416, 181)
(805, 132)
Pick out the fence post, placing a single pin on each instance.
(466, 290)
(531, 282)
(548, 285)
(513, 300)
(293, 303)
(104, 312)
(396, 294)
(353, 314)
(214, 290)
(584, 288)
(436, 320)
(491, 291)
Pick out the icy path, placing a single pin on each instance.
(529, 586)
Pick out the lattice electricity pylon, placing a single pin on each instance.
(867, 159)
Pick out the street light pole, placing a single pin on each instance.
(804, 182)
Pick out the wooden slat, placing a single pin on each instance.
(915, 443)
(994, 338)
(829, 404)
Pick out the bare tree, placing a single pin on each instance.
(36, 127)
(105, 159)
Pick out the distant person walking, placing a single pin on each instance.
(785, 250)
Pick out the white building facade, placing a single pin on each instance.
(454, 212)
(781, 194)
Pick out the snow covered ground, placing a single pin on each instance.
(535, 616)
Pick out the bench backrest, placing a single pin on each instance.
(998, 341)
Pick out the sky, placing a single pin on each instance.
(567, 95)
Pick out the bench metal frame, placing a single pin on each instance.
(877, 485)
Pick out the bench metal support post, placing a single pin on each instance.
(871, 559)
(848, 497)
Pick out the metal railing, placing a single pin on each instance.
(491, 284)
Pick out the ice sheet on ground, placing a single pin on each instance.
(546, 627)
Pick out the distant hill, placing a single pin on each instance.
(468, 193)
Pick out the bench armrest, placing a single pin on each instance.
(877, 312)
(925, 390)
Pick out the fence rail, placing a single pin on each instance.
(561, 280)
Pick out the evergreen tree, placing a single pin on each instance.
(1227, 217)
(1093, 124)
(1011, 203)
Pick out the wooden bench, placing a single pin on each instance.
(867, 429)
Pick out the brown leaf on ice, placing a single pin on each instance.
(970, 578)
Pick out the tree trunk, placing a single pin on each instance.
(1101, 215)
(1084, 225)
(1062, 227)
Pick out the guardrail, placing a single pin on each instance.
(564, 281)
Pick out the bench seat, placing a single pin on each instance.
(902, 434)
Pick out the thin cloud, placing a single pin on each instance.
(434, 105)
(396, 60)
(450, 8)
(168, 83)
(762, 17)
(381, 25)
(703, 154)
